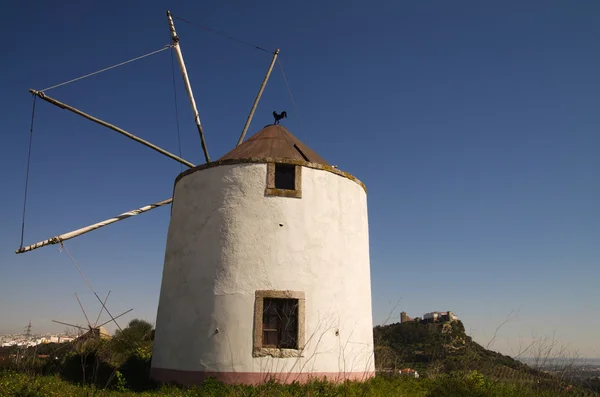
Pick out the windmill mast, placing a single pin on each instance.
(260, 91)
(188, 86)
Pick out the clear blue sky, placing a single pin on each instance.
(474, 127)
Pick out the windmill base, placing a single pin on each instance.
(164, 375)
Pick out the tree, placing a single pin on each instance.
(135, 337)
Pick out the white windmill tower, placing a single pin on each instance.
(266, 271)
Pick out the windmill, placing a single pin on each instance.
(95, 331)
(266, 271)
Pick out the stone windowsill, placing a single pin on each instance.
(277, 353)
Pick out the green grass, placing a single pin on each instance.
(452, 365)
(463, 385)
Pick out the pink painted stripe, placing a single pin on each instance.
(165, 375)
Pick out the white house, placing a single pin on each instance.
(266, 271)
(440, 316)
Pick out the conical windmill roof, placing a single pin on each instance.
(103, 332)
(274, 141)
(97, 332)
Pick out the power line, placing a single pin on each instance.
(292, 99)
(225, 35)
(108, 68)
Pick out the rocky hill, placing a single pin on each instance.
(437, 348)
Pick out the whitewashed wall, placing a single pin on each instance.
(225, 242)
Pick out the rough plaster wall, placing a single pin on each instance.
(225, 242)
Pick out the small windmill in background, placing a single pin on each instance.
(95, 331)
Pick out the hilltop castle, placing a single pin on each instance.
(431, 317)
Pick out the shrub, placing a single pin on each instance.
(460, 385)
(136, 371)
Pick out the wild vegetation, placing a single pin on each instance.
(445, 350)
(434, 348)
(449, 362)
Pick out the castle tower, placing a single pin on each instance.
(266, 271)
(404, 318)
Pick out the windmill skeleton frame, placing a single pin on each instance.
(177, 48)
(95, 326)
(99, 325)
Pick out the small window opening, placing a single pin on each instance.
(285, 176)
(280, 323)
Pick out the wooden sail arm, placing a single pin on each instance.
(257, 99)
(121, 131)
(84, 313)
(114, 318)
(87, 229)
(188, 85)
(101, 309)
(70, 325)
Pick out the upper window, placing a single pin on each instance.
(279, 324)
(284, 180)
(285, 176)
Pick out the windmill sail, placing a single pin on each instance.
(66, 236)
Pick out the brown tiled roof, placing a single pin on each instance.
(274, 141)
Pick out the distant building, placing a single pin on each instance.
(404, 318)
(432, 317)
(440, 316)
(59, 339)
(24, 341)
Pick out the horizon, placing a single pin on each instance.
(548, 360)
(472, 126)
